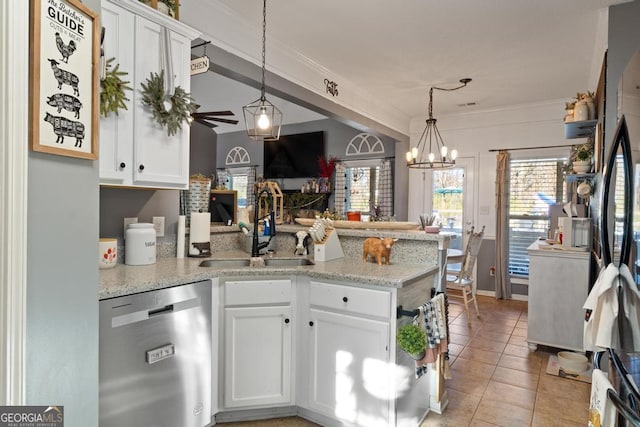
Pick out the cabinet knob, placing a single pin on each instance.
(345, 299)
(286, 320)
(141, 167)
(311, 323)
(123, 165)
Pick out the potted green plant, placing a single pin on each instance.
(412, 339)
(582, 157)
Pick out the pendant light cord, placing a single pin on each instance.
(264, 50)
(444, 89)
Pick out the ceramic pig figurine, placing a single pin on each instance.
(378, 248)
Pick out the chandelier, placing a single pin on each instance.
(263, 119)
(438, 155)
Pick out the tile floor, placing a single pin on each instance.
(496, 380)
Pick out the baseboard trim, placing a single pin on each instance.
(517, 297)
(255, 414)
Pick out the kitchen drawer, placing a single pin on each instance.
(348, 298)
(249, 292)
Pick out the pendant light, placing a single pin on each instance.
(438, 155)
(263, 119)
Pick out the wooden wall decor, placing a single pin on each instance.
(63, 78)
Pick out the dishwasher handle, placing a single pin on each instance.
(162, 310)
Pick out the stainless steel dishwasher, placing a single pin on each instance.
(155, 358)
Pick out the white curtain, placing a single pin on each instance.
(340, 188)
(503, 283)
(385, 188)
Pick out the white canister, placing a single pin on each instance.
(140, 244)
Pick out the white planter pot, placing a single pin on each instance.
(581, 166)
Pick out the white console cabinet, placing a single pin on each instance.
(558, 288)
(134, 149)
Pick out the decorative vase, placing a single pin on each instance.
(324, 185)
(433, 229)
(568, 118)
(164, 9)
(580, 111)
(591, 107)
(581, 166)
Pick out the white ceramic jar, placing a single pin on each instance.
(140, 244)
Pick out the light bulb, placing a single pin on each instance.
(409, 157)
(414, 152)
(443, 151)
(454, 154)
(431, 157)
(263, 120)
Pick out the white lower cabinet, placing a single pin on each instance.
(257, 343)
(349, 356)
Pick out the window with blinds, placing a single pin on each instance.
(533, 186)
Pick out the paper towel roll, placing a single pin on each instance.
(180, 237)
(200, 228)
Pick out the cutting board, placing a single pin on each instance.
(368, 225)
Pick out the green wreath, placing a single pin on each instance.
(182, 105)
(112, 95)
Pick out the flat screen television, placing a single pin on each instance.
(293, 156)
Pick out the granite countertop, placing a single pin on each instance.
(167, 272)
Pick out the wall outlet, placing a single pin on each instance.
(158, 224)
(128, 221)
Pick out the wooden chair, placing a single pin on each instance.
(461, 283)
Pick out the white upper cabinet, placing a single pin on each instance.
(134, 149)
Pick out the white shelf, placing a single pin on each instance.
(581, 129)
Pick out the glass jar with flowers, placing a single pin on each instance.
(325, 170)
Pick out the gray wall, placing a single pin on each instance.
(203, 150)
(62, 284)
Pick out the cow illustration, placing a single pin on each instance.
(68, 102)
(64, 76)
(65, 127)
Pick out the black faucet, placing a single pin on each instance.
(256, 246)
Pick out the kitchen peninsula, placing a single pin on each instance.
(327, 331)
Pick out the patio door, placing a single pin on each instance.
(448, 194)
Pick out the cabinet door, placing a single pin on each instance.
(257, 356)
(116, 131)
(159, 159)
(350, 374)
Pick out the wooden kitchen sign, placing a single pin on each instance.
(63, 77)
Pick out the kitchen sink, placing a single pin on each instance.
(287, 262)
(246, 262)
(226, 263)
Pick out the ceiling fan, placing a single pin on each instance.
(206, 118)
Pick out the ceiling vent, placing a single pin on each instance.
(467, 104)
